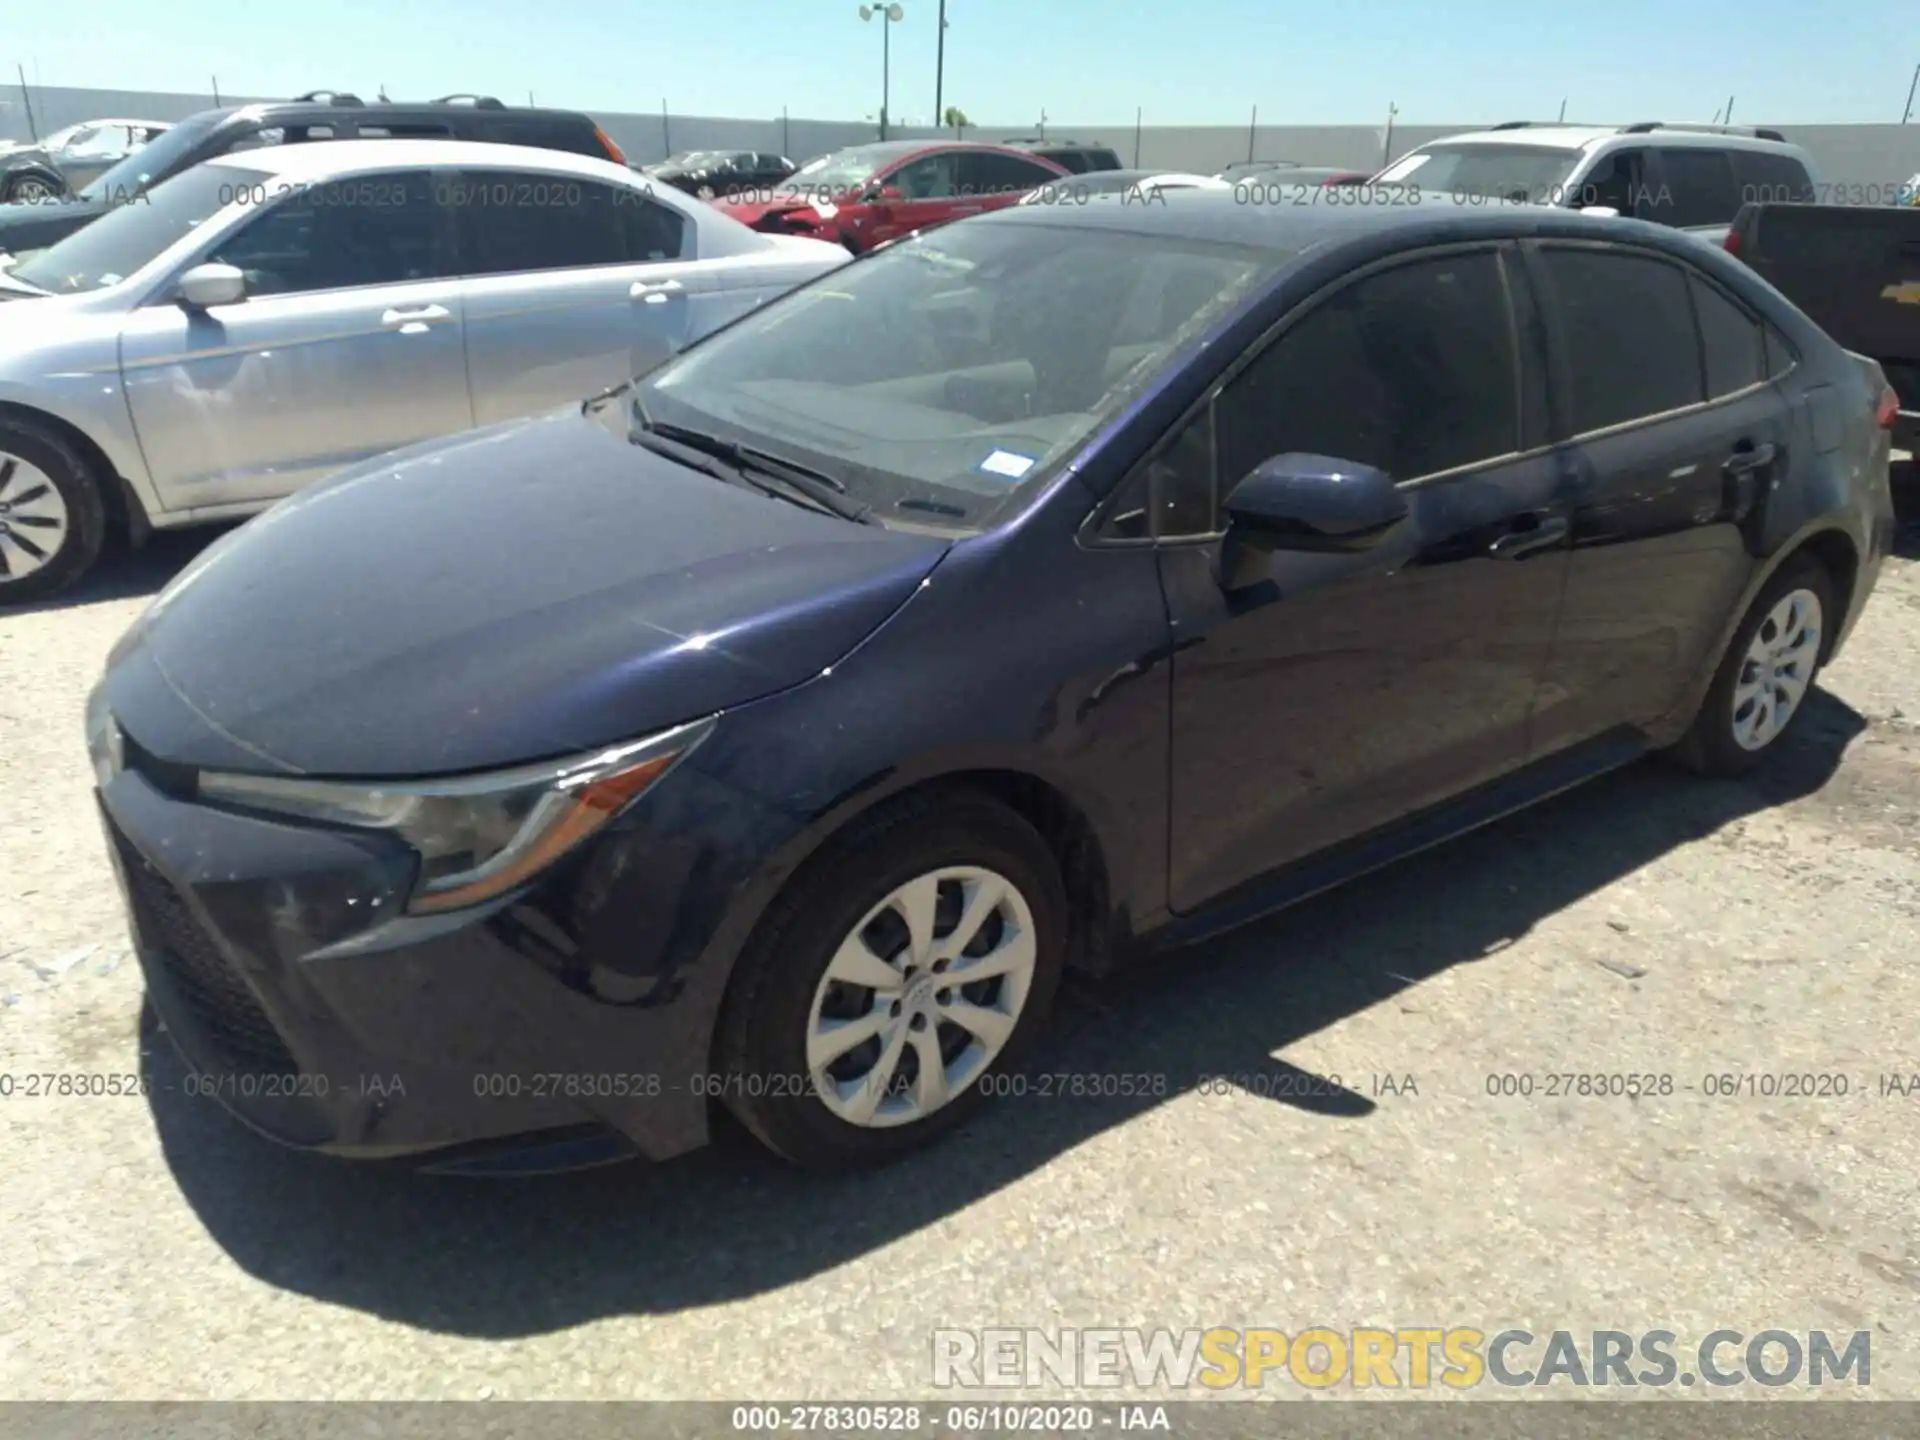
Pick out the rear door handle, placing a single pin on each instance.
(1750, 458)
(412, 322)
(1530, 533)
(655, 294)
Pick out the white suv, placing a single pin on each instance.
(1688, 176)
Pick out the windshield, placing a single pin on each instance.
(132, 175)
(1534, 174)
(942, 379)
(128, 236)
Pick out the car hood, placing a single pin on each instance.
(753, 211)
(31, 225)
(515, 593)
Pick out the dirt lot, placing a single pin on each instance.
(1650, 923)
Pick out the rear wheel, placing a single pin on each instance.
(1762, 685)
(905, 970)
(52, 516)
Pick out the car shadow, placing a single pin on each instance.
(123, 573)
(493, 1259)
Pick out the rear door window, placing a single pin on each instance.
(514, 222)
(1700, 187)
(1627, 326)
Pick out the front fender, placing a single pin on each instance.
(92, 403)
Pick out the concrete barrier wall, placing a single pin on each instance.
(1855, 159)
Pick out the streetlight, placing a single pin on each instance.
(940, 65)
(888, 14)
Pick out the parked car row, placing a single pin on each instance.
(686, 656)
(775, 731)
(267, 317)
(25, 228)
(70, 158)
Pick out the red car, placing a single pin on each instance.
(867, 195)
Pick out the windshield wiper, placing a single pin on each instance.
(768, 474)
(586, 405)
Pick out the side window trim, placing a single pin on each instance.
(1558, 361)
(1501, 249)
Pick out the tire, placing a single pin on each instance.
(44, 477)
(22, 189)
(778, 995)
(1725, 739)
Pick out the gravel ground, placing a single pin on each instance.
(1648, 923)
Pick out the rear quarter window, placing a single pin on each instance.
(1766, 178)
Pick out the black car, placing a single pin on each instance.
(200, 137)
(1068, 154)
(1061, 585)
(717, 174)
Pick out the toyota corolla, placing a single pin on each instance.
(1069, 582)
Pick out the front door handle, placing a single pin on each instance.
(413, 322)
(1749, 458)
(1530, 534)
(655, 294)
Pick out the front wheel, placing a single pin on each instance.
(902, 972)
(1762, 684)
(52, 514)
(31, 190)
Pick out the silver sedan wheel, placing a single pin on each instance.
(31, 190)
(1777, 670)
(921, 996)
(33, 519)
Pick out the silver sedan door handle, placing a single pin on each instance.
(656, 294)
(413, 322)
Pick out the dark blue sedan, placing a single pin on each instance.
(1063, 584)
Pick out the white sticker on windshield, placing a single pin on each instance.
(1007, 463)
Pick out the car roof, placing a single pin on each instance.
(321, 159)
(1584, 137)
(1222, 216)
(295, 111)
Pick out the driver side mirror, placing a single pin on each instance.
(205, 286)
(1314, 503)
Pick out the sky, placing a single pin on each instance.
(1008, 61)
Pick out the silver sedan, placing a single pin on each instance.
(268, 318)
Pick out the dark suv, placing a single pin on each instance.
(1069, 154)
(319, 116)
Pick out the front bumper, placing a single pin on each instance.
(304, 1002)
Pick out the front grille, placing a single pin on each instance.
(222, 1005)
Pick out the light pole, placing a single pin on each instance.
(940, 65)
(887, 15)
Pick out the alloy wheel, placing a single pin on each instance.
(33, 518)
(30, 190)
(921, 996)
(1777, 669)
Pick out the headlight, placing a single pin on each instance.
(478, 836)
